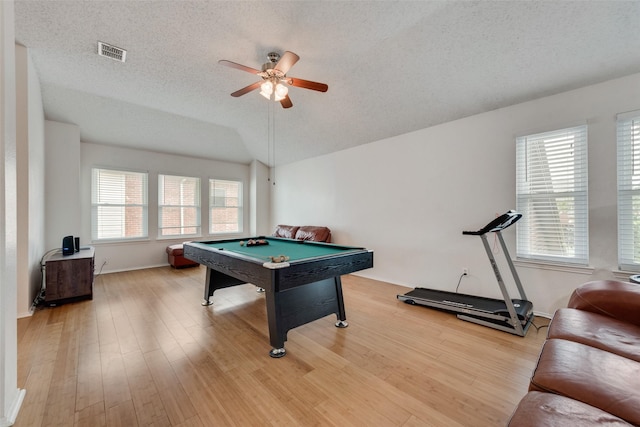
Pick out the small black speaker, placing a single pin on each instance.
(77, 243)
(67, 246)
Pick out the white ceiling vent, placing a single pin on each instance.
(112, 52)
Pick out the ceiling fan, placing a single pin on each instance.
(274, 78)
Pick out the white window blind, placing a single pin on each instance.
(178, 206)
(551, 191)
(119, 207)
(628, 136)
(225, 206)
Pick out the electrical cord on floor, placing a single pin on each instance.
(100, 272)
(541, 326)
(459, 280)
(39, 299)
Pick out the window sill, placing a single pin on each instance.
(181, 238)
(226, 235)
(624, 275)
(118, 242)
(565, 268)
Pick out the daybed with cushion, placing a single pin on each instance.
(588, 372)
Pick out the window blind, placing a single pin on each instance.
(551, 191)
(225, 206)
(178, 205)
(119, 206)
(628, 139)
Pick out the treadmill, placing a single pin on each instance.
(508, 315)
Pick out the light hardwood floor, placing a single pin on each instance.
(145, 352)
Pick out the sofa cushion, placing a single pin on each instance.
(595, 377)
(551, 410)
(286, 231)
(619, 300)
(316, 234)
(597, 331)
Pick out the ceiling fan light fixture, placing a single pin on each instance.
(280, 92)
(266, 89)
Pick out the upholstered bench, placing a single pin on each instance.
(176, 257)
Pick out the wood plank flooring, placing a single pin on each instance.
(144, 352)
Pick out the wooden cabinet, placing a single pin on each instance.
(69, 277)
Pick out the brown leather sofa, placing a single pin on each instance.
(588, 372)
(305, 232)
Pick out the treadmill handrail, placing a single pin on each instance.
(500, 223)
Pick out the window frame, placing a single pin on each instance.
(212, 205)
(96, 205)
(162, 206)
(628, 189)
(559, 177)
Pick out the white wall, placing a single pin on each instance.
(260, 195)
(409, 197)
(30, 172)
(10, 396)
(151, 252)
(62, 182)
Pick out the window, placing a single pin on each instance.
(178, 206)
(225, 206)
(551, 191)
(119, 208)
(629, 191)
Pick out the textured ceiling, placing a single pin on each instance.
(391, 67)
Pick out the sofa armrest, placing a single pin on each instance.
(619, 300)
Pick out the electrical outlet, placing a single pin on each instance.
(465, 271)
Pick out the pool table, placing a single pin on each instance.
(301, 286)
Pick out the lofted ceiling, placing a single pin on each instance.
(392, 67)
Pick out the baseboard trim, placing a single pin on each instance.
(541, 314)
(13, 410)
(120, 270)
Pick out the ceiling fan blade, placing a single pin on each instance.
(286, 102)
(238, 66)
(287, 60)
(307, 84)
(247, 89)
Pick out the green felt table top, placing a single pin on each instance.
(295, 250)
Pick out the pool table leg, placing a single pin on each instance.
(277, 334)
(216, 280)
(209, 287)
(277, 352)
(300, 305)
(342, 316)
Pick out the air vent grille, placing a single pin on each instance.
(112, 52)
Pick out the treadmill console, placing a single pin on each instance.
(500, 223)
